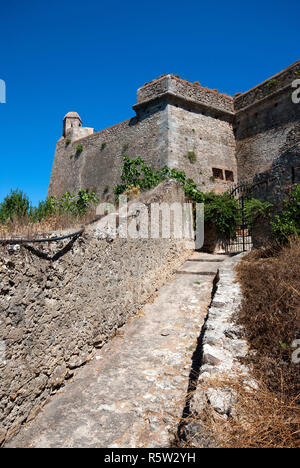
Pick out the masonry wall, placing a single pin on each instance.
(53, 312)
(210, 138)
(266, 124)
(99, 165)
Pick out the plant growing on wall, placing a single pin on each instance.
(79, 149)
(191, 156)
(271, 83)
(68, 141)
(103, 146)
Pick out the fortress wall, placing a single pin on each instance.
(266, 123)
(99, 164)
(210, 137)
(185, 90)
(54, 312)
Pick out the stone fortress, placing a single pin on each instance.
(218, 140)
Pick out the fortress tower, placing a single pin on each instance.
(216, 139)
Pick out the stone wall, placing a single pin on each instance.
(265, 123)
(98, 165)
(59, 301)
(189, 92)
(211, 141)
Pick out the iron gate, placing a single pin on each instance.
(242, 241)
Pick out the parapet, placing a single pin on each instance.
(172, 87)
(277, 84)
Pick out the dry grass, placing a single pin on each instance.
(26, 228)
(270, 314)
(261, 419)
(269, 416)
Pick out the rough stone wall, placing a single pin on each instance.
(187, 91)
(55, 310)
(265, 123)
(99, 164)
(212, 141)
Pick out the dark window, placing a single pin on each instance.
(229, 176)
(217, 173)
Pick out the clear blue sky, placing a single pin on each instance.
(90, 56)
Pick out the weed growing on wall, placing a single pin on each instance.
(191, 156)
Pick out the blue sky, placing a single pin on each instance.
(91, 56)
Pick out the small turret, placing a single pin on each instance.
(71, 121)
(72, 127)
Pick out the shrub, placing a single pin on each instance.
(16, 204)
(68, 141)
(44, 209)
(288, 222)
(255, 209)
(103, 146)
(224, 212)
(79, 149)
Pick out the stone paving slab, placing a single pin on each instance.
(197, 267)
(132, 393)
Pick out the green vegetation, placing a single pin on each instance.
(271, 83)
(17, 206)
(79, 149)
(223, 211)
(255, 209)
(68, 141)
(220, 210)
(191, 156)
(287, 223)
(103, 146)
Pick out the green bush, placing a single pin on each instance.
(220, 210)
(287, 223)
(255, 209)
(224, 212)
(16, 204)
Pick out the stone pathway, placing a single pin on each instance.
(133, 392)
